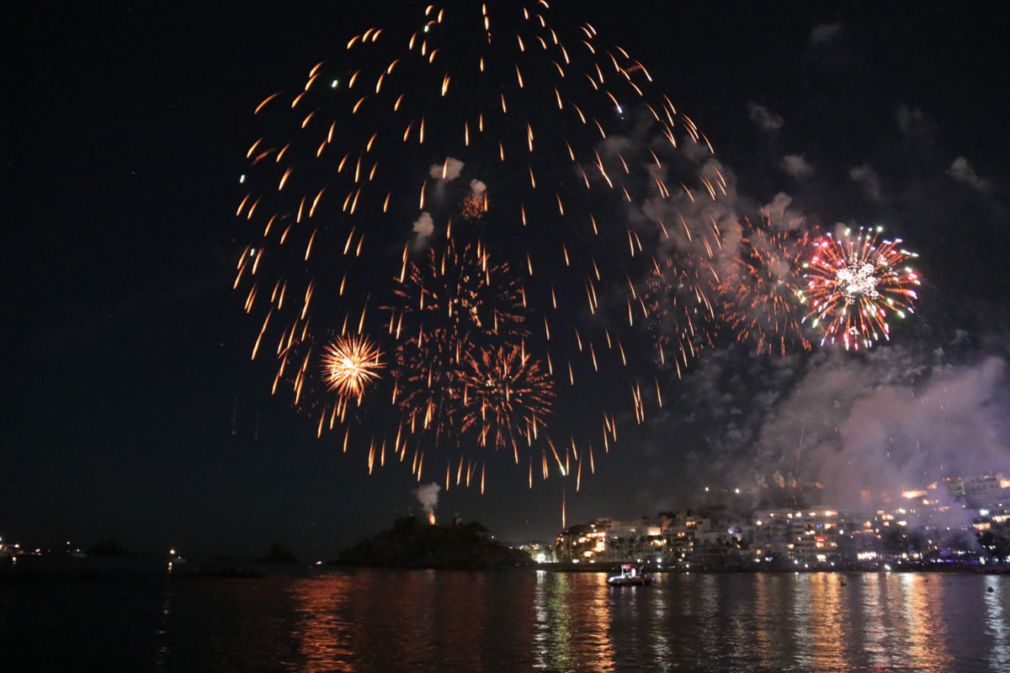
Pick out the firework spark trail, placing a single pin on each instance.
(453, 301)
(682, 321)
(508, 396)
(854, 283)
(762, 294)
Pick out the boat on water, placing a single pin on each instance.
(630, 577)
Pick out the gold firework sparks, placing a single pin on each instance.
(508, 397)
(349, 364)
(763, 288)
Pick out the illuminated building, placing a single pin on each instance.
(809, 537)
(612, 541)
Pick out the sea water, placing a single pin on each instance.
(366, 620)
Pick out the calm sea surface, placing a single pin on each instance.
(387, 620)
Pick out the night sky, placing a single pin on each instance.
(133, 411)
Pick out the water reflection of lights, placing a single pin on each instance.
(996, 624)
(552, 644)
(572, 628)
(923, 628)
(800, 621)
(161, 651)
(827, 627)
(322, 632)
(599, 626)
(878, 634)
(659, 634)
(764, 619)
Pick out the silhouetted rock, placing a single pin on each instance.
(413, 543)
(278, 553)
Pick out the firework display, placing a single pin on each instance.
(763, 290)
(681, 316)
(854, 283)
(507, 395)
(449, 303)
(453, 189)
(477, 233)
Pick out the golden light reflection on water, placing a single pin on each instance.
(766, 642)
(600, 625)
(826, 624)
(800, 617)
(818, 622)
(323, 636)
(573, 622)
(874, 634)
(162, 652)
(923, 629)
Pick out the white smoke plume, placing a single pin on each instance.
(823, 33)
(797, 166)
(764, 118)
(868, 179)
(961, 171)
(448, 170)
(427, 495)
(867, 429)
(424, 225)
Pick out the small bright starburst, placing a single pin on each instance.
(349, 363)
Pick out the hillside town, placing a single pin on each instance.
(956, 522)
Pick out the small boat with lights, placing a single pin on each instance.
(630, 577)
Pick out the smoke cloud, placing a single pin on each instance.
(868, 179)
(449, 170)
(961, 171)
(424, 225)
(892, 420)
(823, 33)
(764, 118)
(427, 495)
(797, 166)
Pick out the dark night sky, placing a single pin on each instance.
(127, 351)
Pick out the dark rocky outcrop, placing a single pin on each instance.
(414, 543)
(278, 553)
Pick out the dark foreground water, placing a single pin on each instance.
(372, 620)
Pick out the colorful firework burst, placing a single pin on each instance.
(855, 283)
